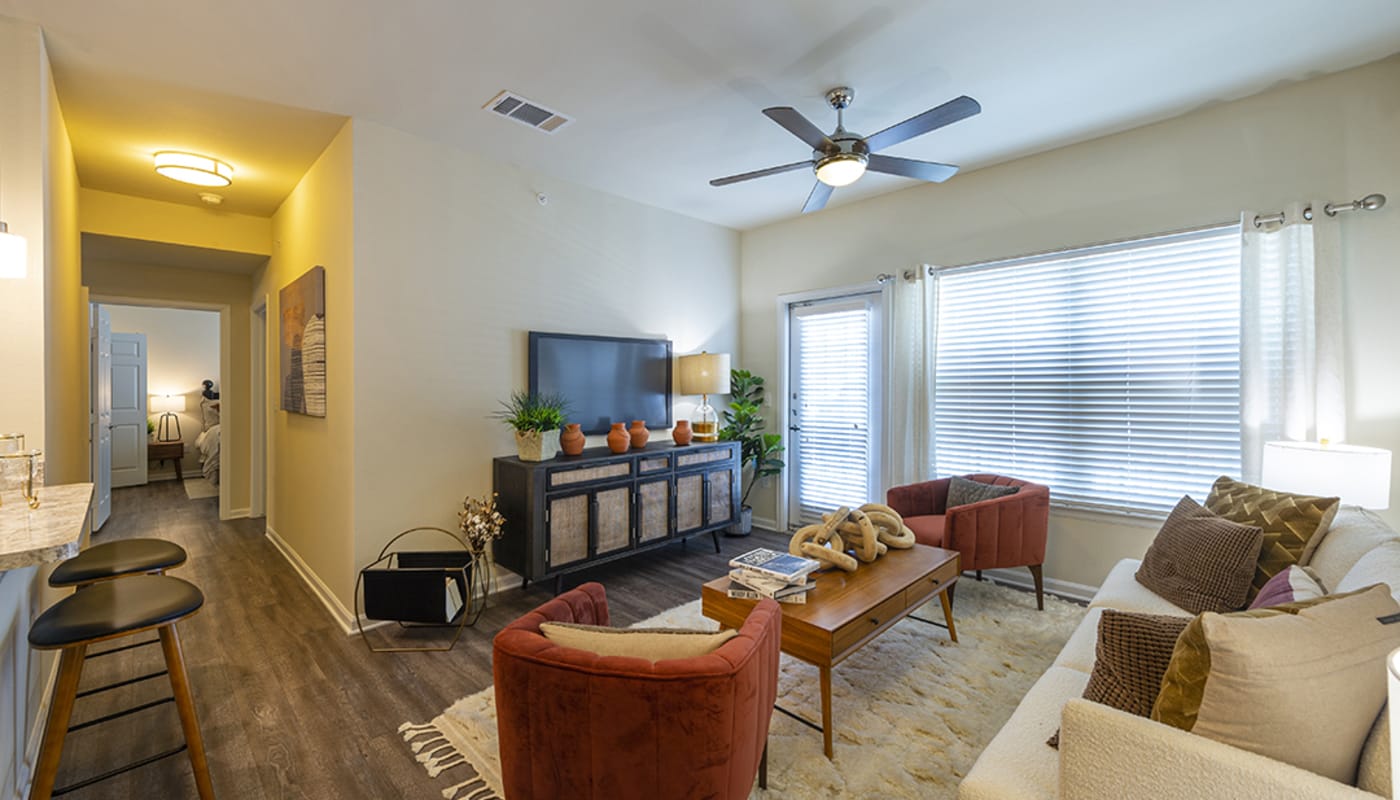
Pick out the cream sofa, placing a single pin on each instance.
(1109, 755)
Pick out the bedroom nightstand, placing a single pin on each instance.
(167, 450)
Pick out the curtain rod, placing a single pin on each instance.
(1370, 202)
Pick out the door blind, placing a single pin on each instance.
(1110, 373)
(832, 409)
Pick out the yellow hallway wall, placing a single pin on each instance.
(112, 214)
(310, 502)
(66, 402)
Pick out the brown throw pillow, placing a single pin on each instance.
(1293, 524)
(963, 492)
(1300, 683)
(1201, 562)
(1131, 656)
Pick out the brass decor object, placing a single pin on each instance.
(12, 451)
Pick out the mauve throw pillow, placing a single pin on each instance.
(962, 492)
(1289, 586)
(1200, 561)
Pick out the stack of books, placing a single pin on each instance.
(769, 573)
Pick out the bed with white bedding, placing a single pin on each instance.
(208, 441)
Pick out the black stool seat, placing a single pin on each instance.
(112, 608)
(109, 560)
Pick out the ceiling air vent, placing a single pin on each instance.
(527, 112)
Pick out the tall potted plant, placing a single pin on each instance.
(536, 419)
(759, 451)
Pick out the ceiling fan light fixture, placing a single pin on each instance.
(841, 169)
(193, 169)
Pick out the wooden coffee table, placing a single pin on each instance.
(848, 609)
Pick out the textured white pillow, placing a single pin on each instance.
(653, 644)
(1379, 565)
(1354, 532)
(1373, 773)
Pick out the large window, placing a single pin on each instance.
(1109, 373)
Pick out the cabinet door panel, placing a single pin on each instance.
(613, 508)
(653, 510)
(721, 499)
(690, 502)
(568, 530)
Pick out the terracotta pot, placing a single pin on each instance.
(681, 433)
(572, 439)
(618, 440)
(640, 434)
(537, 445)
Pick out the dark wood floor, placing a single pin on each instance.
(289, 705)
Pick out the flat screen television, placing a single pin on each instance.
(605, 379)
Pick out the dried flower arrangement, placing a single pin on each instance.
(481, 523)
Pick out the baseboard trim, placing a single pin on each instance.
(1021, 579)
(339, 613)
(765, 522)
(239, 513)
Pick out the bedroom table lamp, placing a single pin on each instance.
(1360, 476)
(170, 404)
(705, 374)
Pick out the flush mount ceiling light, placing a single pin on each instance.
(841, 169)
(195, 169)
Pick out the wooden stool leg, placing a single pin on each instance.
(184, 702)
(65, 692)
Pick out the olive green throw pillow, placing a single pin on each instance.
(1293, 524)
(1300, 683)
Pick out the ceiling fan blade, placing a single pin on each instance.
(816, 201)
(909, 168)
(800, 127)
(956, 109)
(760, 173)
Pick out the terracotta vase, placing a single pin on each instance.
(640, 434)
(572, 439)
(681, 433)
(618, 440)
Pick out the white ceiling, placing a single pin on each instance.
(667, 94)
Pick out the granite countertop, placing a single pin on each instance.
(52, 532)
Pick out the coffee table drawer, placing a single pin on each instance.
(876, 619)
(920, 591)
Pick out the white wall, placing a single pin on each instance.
(182, 347)
(451, 272)
(1332, 138)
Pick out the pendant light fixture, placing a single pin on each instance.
(194, 169)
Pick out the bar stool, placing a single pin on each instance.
(106, 610)
(117, 559)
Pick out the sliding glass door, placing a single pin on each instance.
(834, 382)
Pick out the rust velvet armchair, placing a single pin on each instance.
(1007, 531)
(578, 725)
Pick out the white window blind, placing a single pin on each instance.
(834, 398)
(1109, 373)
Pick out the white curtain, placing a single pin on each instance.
(1292, 356)
(910, 303)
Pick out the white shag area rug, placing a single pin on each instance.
(200, 488)
(912, 709)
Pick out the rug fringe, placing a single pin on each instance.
(474, 789)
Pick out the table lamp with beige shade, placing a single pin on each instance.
(171, 405)
(1360, 476)
(705, 374)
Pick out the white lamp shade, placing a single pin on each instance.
(167, 402)
(705, 373)
(1358, 475)
(13, 255)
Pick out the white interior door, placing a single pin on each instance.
(101, 415)
(836, 349)
(128, 425)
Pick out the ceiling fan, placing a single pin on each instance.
(842, 157)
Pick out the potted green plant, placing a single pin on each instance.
(536, 419)
(759, 451)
